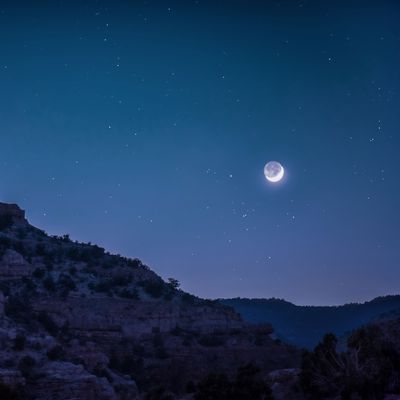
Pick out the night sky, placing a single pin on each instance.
(144, 127)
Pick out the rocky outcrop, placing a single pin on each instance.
(13, 211)
(285, 384)
(64, 380)
(133, 318)
(14, 266)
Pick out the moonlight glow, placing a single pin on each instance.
(274, 171)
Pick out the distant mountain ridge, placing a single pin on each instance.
(304, 326)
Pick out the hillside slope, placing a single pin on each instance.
(79, 323)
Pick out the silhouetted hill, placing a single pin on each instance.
(305, 325)
(77, 322)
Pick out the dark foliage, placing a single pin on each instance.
(40, 249)
(7, 393)
(19, 247)
(102, 373)
(29, 285)
(86, 254)
(155, 288)
(56, 353)
(190, 387)
(188, 299)
(19, 342)
(369, 368)
(134, 262)
(129, 294)
(66, 282)
(246, 385)
(174, 283)
(159, 394)
(25, 366)
(39, 273)
(211, 340)
(6, 222)
(48, 323)
(110, 284)
(48, 283)
(128, 365)
(18, 309)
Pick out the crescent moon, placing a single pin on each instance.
(274, 171)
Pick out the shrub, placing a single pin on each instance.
(25, 366)
(177, 331)
(39, 273)
(122, 280)
(211, 341)
(5, 288)
(19, 342)
(28, 283)
(7, 393)
(108, 264)
(20, 248)
(48, 323)
(129, 294)
(155, 288)
(21, 234)
(128, 365)
(56, 353)
(169, 295)
(159, 393)
(66, 282)
(40, 249)
(6, 222)
(86, 254)
(102, 373)
(49, 284)
(18, 309)
(134, 263)
(65, 238)
(105, 285)
(188, 299)
(48, 260)
(213, 387)
(174, 283)
(73, 271)
(246, 385)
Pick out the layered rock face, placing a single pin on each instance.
(14, 266)
(79, 323)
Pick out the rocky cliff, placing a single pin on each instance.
(77, 322)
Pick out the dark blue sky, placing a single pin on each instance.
(145, 126)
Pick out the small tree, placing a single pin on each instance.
(174, 283)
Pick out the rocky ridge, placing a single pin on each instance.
(77, 322)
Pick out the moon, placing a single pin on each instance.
(274, 171)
